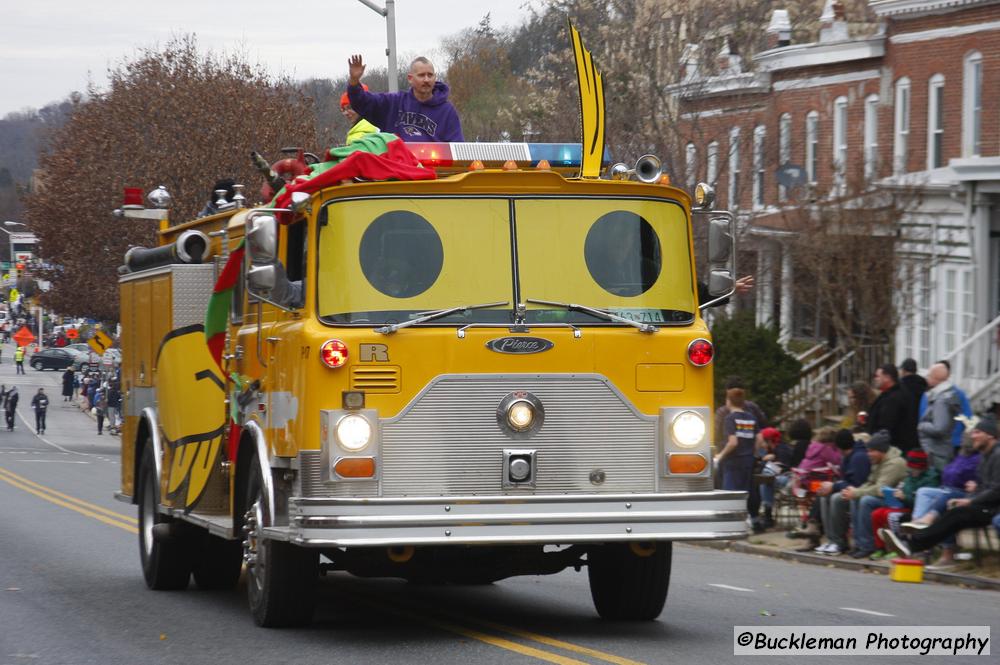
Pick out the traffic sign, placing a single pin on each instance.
(23, 337)
(72, 333)
(100, 342)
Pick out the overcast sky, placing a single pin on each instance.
(49, 48)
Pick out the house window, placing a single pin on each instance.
(916, 308)
(959, 311)
(972, 104)
(935, 122)
(812, 145)
(712, 163)
(759, 134)
(840, 138)
(784, 147)
(901, 131)
(734, 167)
(871, 137)
(690, 165)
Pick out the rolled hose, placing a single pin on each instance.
(190, 247)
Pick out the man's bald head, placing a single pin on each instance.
(938, 373)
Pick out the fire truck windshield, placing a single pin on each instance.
(391, 260)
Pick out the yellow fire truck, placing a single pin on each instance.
(501, 371)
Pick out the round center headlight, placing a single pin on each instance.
(353, 432)
(688, 429)
(520, 416)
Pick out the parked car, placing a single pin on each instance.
(52, 359)
(80, 347)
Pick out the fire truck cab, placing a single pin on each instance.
(502, 371)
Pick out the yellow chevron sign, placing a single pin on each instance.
(591, 107)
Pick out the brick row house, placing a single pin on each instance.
(904, 105)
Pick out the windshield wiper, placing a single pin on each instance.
(436, 314)
(608, 316)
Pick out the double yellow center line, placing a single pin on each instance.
(66, 501)
(445, 621)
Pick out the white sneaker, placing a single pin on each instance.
(824, 548)
(833, 550)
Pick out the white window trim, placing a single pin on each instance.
(712, 163)
(690, 166)
(972, 102)
(935, 83)
(901, 126)
(733, 194)
(812, 145)
(784, 147)
(871, 137)
(759, 163)
(840, 138)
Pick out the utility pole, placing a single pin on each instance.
(389, 13)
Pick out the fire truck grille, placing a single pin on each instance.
(449, 442)
(377, 379)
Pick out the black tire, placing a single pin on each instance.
(217, 562)
(281, 577)
(37, 365)
(629, 583)
(165, 565)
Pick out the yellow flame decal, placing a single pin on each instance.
(191, 400)
(591, 107)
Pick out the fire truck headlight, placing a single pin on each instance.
(688, 429)
(520, 416)
(353, 432)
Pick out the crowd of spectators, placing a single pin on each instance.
(909, 468)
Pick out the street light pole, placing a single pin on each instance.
(389, 13)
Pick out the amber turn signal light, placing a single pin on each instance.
(355, 467)
(687, 463)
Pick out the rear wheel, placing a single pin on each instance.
(166, 564)
(629, 581)
(281, 577)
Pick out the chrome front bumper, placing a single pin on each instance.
(509, 520)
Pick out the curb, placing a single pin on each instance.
(973, 581)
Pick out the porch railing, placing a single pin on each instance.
(821, 393)
(975, 365)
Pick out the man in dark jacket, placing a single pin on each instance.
(891, 410)
(912, 382)
(975, 511)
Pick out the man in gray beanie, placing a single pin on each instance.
(975, 511)
(888, 468)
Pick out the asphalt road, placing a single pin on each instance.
(71, 590)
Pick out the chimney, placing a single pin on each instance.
(833, 22)
(728, 61)
(779, 31)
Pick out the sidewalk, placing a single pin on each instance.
(68, 426)
(776, 544)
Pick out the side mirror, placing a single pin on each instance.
(262, 239)
(720, 240)
(721, 253)
(720, 282)
(261, 280)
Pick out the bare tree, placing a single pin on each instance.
(170, 117)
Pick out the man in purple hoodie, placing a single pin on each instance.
(421, 114)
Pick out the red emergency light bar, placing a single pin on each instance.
(460, 156)
(133, 197)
